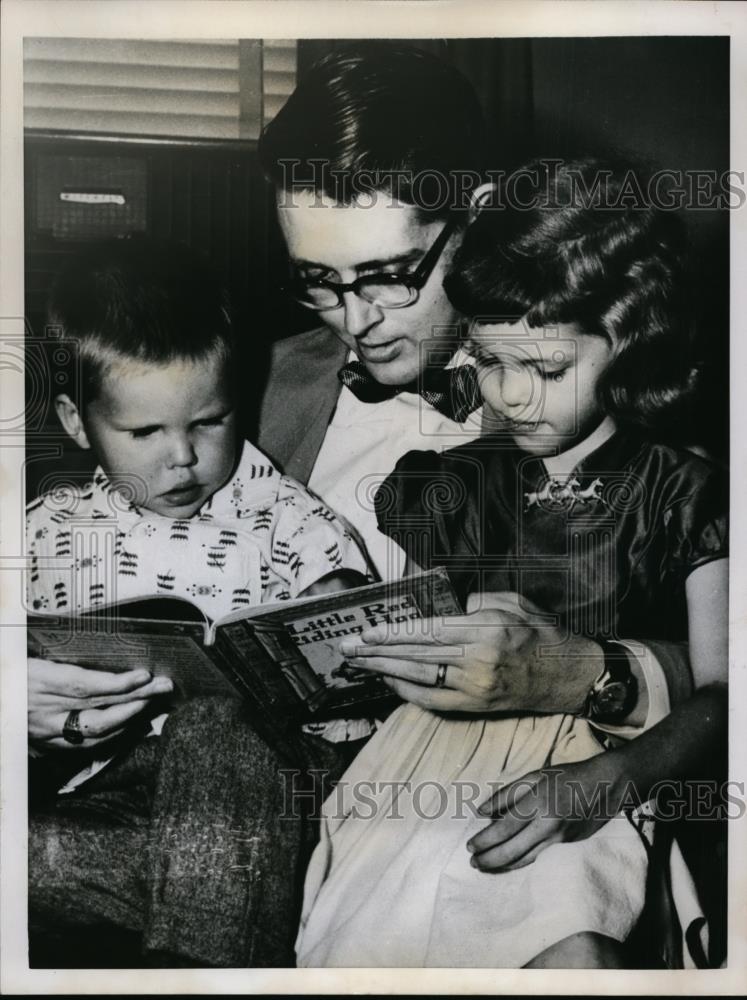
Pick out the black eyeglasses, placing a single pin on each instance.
(390, 291)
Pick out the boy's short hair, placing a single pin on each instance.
(587, 251)
(138, 299)
(377, 117)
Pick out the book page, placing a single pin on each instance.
(318, 625)
(169, 649)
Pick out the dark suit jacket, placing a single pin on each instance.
(299, 400)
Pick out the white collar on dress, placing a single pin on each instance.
(563, 464)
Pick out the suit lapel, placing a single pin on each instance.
(311, 424)
(299, 401)
(301, 396)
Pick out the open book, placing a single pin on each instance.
(283, 657)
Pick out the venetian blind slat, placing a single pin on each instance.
(131, 99)
(141, 76)
(130, 123)
(188, 88)
(279, 74)
(280, 57)
(209, 55)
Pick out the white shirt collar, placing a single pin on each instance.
(566, 462)
(459, 357)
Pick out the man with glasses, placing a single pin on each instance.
(372, 213)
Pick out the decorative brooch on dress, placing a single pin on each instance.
(558, 494)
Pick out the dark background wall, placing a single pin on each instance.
(665, 100)
(660, 100)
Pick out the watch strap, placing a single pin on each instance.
(613, 694)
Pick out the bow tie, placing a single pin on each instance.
(452, 391)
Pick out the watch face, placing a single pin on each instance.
(612, 697)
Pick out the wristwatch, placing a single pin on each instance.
(614, 693)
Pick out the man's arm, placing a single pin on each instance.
(497, 661)
(674, 662)
(664, 678)
(661, 669)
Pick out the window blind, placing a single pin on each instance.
(279, 75)
(217, 89)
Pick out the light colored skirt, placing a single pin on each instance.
(390, 883)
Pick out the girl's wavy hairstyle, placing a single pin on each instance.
(587, 249)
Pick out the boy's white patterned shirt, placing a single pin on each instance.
(261, 538)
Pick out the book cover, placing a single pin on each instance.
(284, 658)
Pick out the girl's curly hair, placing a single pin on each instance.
(587, 249)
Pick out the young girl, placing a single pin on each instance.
(579, 338)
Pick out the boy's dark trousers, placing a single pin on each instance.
(192, 846)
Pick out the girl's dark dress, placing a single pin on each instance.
(608, 553)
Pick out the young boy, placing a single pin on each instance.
(179, 506)
(189, 510)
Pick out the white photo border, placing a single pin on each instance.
(328, 19)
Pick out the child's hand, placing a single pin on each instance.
(545, 807)
(333, 583)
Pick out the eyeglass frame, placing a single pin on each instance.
(414, 281)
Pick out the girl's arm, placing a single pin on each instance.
(708, 622)
(686, 745)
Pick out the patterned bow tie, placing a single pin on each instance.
(452, 391)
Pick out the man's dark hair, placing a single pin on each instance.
(137, 299)
(379, 118)
(583, 251)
